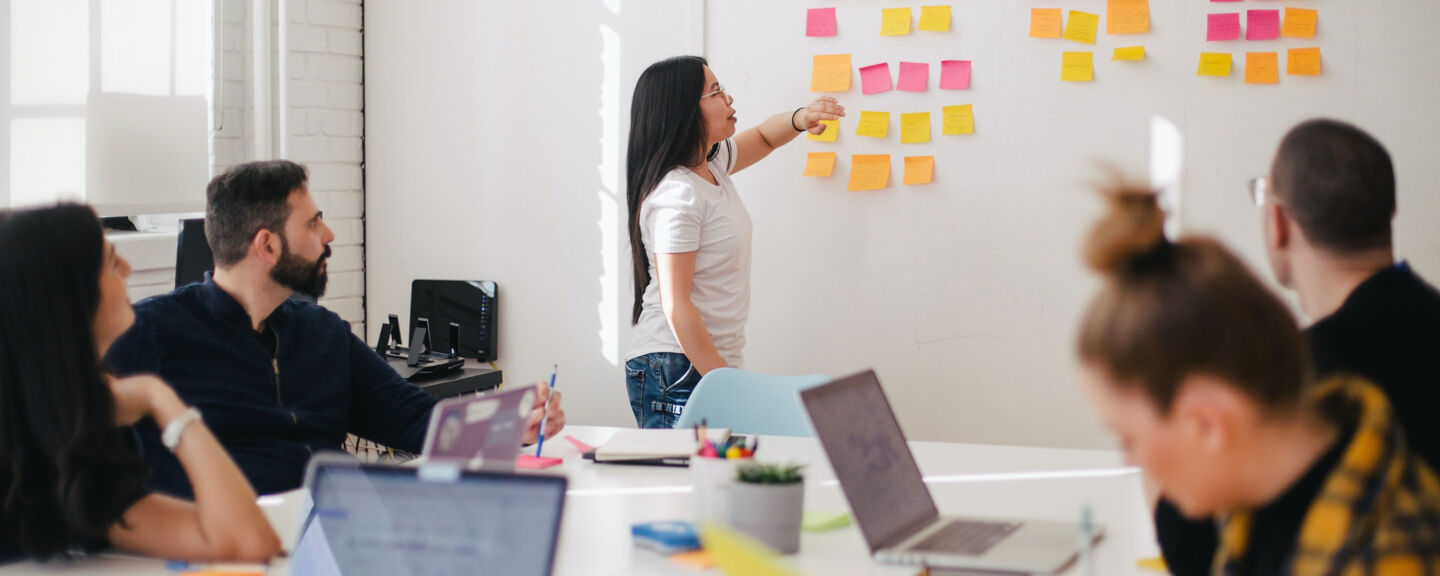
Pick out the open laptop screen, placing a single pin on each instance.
(857, 428)
(385, 520)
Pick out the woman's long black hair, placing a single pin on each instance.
(667, 130)
(65, 467)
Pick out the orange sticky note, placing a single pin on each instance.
(869, 171)
(1214, 64)
(832, 131)
(1045, 22)
(895, 21)
(935, 18)
(1077, 67)
(1127, 17)
(830, 73)
(957, 120)
(1303, 62)
(919, 170)
(1262, 68)
(1299, 23)
(697, 559)
(873, 124)
(819, 164)
(914, 127)
(1081, 27)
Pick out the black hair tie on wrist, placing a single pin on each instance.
(792, 119)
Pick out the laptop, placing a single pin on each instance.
(480, 432)
(435, 519)
(889, 499)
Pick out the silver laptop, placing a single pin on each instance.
(431, 520)
(892, 505)
(480, 432)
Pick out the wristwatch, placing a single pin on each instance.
(171, 436)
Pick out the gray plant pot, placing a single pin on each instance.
(769, 513)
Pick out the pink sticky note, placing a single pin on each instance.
(820, 22)
(1262, 24)
(914, 76)
(531, 462)
(1224, 27)
(875, 78)
(1224, 0)
(954, 74)
(581, 446)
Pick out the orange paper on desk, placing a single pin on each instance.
(869, 171)
(830, 73)
(895, 22)
(873, 124)
(1045, 23)
(819, 164)
(1081, 26)
(1127, 17)
(919, 169)
(1214, 64)
(914, 127)
(958, 120)
(1299, 23)
(1262, 68)
(1303, 62)
(1077, 66)
(832, 131)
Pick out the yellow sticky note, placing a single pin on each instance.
(1129, 53)
(1045, 22)
(1082, 26)
(830, 73)
(935, 18)
(736, 553)
(914, 127)
(1156, 564)
(832, 131)
(819, 164)
(869, 171)
(1127, 17)
(919, 170)
(1214, 64)
(1303, 62)
(1299, 23)
(895, 22)
(1262, 68)
(1077, 67)
(958, 119)
(873, 124)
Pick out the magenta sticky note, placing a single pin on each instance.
(532, 462)
(954, 74)
(1262, 24)
(875, 78)
(914, 76)
(820, 22)
(1224, 27)
(579, 445)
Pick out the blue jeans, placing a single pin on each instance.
(659, 384)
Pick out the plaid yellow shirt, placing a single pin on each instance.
(1378, 511)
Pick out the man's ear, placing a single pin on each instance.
(1280, 222)
(266, 246)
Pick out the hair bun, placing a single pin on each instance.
(1133, 228)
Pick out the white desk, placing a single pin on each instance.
(964, 479)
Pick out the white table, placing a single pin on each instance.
(964, 479)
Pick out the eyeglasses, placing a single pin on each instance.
(721, 91)
(1259, 190)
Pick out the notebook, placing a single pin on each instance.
(631, 445)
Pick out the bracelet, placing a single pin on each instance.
(171, 436)
(792, 119)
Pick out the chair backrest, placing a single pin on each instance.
(192, 253)
(750, 403)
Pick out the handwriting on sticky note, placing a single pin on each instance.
(1077, 66)
(819, 164)
(954, 74)
(1214, 64)
(1303, 62)
(1129, 53)
(1262, 24)
(935, 18)
(830, 73)
(820, 22)
(832, 131)
(1299, 23)
(875, 78)
(957, 120)
(869, 171)
(1222, 27)
(1127, 17)
(914, 127)
(1262, 68)
(919, 170)
(914, 76)
(1081, 26)
(895, 22)
(873, 124)
(1045, 22)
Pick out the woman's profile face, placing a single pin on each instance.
(114, 315)
(715, 106)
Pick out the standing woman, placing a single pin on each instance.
(689, 231)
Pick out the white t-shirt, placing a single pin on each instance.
(686, 213)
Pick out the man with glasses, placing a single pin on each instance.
(1326, 206)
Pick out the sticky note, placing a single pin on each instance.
(1081, 26)
(533, 462)
(1303, 62)
(696, 559)
(958, 120)
(1077, 67)
(1262, 67)
(1127, 17)
(895, 22)
(1224, 0)
(736, 553)
(832, 131)
(1299, 23)
(869, 171)
(1157, 564)
(1045, 22)
(1262, 24)
(813, 521)
(1129, 53)
(873, 124)
(820, 22)
(819, 164)
(875, 78)
(914, 76)
(954, 74)
(1223, 27)
(914, 127)
(919, 170)
(935, 18)
(1214, 64)
(830, 73)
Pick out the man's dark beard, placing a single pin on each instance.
(299, 274)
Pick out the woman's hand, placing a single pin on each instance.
(823, 108)
(137, 397)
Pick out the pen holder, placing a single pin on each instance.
(712, 479)
(769, 513)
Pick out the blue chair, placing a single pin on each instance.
(750, 403)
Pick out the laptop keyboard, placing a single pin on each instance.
(966, 537)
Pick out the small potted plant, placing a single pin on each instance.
(767, 502)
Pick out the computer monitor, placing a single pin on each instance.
(470, 303)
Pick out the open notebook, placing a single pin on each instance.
(631, 445)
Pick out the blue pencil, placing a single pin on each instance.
(546, 414)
